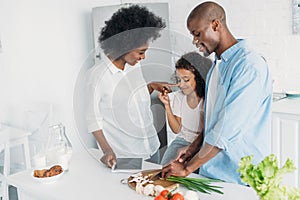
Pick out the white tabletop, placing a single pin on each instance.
(89, 179)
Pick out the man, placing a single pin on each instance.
(238, 101)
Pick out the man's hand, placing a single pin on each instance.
(184, 155)
(185, 167)
(109, 159)
(174, 168)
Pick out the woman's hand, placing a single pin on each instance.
(162, 87)
(109, 158)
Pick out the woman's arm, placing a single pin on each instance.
(109, 157)
(159, 86)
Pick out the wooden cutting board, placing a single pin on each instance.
(155, 176)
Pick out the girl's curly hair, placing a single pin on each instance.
(129, 28)
(198, 65)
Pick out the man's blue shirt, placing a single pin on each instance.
(240, 123)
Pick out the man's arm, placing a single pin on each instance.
(186, 155)
(206, 153)
(177, 168)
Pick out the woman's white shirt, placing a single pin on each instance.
(119, 105)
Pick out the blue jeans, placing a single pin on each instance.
(172, 150)
(155, 158)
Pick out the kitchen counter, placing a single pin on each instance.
(285, 136)
(287, 105)
(89, 179)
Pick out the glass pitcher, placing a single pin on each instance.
(59, 148)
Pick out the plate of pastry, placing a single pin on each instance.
(48, 175)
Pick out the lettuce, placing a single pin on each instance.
(266, 178)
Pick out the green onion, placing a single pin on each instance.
(200, 184)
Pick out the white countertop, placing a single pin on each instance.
(89, 179)
(287, 105)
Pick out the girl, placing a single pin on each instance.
(184, 108)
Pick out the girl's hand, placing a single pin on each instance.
(164, 98)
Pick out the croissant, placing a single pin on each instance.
(43, 173)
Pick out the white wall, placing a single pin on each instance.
(46, 42)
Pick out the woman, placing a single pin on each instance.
(185, 114)
(119, 114)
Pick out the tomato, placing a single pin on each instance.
(164, 193)
(160, 197)
(177, 196)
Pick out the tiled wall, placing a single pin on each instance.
(267, 24)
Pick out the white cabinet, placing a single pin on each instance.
(286, 136)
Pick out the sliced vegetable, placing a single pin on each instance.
(200, 184)
(149, 190)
